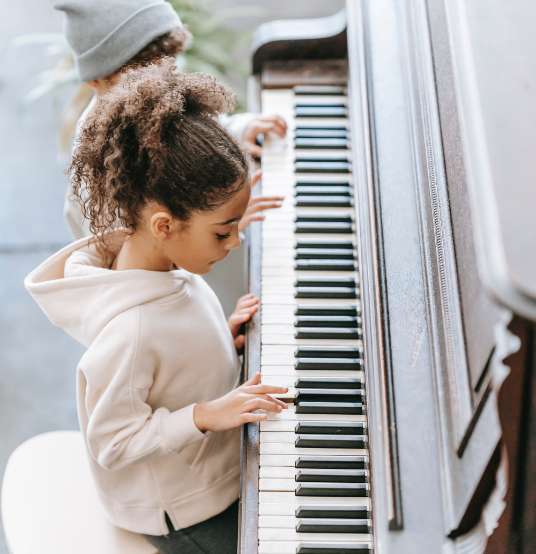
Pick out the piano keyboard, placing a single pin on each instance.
(314, 495)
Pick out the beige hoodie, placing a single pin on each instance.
(157, 343)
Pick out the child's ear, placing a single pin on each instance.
(163, 225)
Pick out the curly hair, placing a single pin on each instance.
(167, 45)
(154, 137)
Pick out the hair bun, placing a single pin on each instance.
(163, 88)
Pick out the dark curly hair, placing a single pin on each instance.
(154, 137)
(169, 44)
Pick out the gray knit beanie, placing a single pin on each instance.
(106, 34)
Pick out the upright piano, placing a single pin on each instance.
(397, 283)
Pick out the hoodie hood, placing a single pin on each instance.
(79, 293)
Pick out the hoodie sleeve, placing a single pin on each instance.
(115, 378)
(236, 124)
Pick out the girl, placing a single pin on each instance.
(158, 401)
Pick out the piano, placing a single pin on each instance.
(395, 304)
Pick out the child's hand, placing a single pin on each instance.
(260, 126)
(258, 204)
(239, 406)
(245, 309)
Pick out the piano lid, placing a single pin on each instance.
(493, 45)
(310, 38)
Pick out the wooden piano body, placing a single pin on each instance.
(441, 170)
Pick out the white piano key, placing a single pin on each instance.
(272, 240)
(292, 501)
(300, 176)
(284, 437)
(285, 279)
(286, 504)
(320, 100)
(268, 534)
(321, 122)
(277, 472)
(335, 178)
(268, 337)
(278, 460)
(313, 153)
(288, 547)
(279, 374)
(290, 378)
(285, 448)
(290, 415)
(289, 424)
(278, 436)
(272, 318)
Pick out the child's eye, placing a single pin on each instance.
(223, 237)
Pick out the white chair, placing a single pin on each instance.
(50, 506)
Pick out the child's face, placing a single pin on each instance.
(208, 237)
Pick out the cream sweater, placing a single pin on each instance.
(157, 343)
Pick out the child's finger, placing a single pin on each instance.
(251, 218)
(250, 417)
(255, 178)
(239, 342)
(265, 389)
(256, 379)
(253, 150)
(247, 303)
(260, 404)
(257, 199)
(284, 405)
(261, 206)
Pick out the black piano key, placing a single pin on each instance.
(329, 383)
(320, 111)
(321, 143)
(323, 183)
(325, 292)
(327, 321)
(323, 216)
(350, 364)
(325, 265)
(338, 103)
(331, 462)
(305, 126)
(305, 200)
(327, 511)
(311, 525)
(328, 352)
(343, 228)
(328, 395)
(342, 333)
(306, 407)
(329, 190)
(319, 90)
(326, 244)
(330, 428)
(326, 441)
(332, 476)
(326, 311)
(324, 253)
(335, 548)
(307, 166)
(332, 489)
